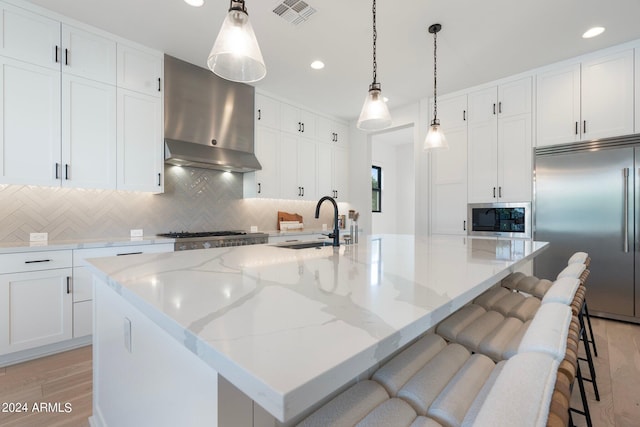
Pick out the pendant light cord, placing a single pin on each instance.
(435, 77)
(375, 38)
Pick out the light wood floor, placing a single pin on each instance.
(618, 376)
(58, 379)
(66, 377)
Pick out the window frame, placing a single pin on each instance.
(377, 190)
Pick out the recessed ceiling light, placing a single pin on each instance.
(194, 3)
(317, 65)
(592, 32)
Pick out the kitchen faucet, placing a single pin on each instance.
(336, 231)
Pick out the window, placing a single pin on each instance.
(376, 189)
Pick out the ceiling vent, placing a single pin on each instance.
(294, 11)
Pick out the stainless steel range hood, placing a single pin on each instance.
(208, 121)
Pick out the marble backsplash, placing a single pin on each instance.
(194, 200)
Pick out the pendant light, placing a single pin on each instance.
(375, 114)
(435, 138)
(236, 55)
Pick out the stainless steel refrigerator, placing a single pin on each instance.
(587, 198)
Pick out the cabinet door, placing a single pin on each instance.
(326, 170)
(82, 319)
(607, 96)
(88, 55)
(30, 37)
(558, 106)
(267, 112)
(140, 145)
(88, 133)
(290, 188)
(30, 124)
(482, 134)
(514, 159)
(139, 70)
(267, 180)
(297, 121)
(36, 309)
(514, 98)
(340, 173)
(449, 184)
(307, 169)
(452, 112)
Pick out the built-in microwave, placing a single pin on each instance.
(499, 219)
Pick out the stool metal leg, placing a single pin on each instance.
(583, 396)
(593, 339)
(589, 359)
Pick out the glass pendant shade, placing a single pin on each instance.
(375, 113)
(435, 137)
(236, 55)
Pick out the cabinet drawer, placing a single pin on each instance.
(34, 261)
(79, 255)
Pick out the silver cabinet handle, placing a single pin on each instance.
(499, 191)
(626, 210)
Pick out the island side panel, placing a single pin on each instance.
(142, 376)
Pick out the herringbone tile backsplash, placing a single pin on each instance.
(194, 200)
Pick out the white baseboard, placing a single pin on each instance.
(46, 350)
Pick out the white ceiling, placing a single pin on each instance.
(480, 41)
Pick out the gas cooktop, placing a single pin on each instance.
(186, 234)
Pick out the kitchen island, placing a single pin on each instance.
(259, 335)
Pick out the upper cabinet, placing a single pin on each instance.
(58, 113)
(140, 70)
(30, 37)
(499, 143)
(304, 156)
(588, 100)
(267, 112)
(297, 121)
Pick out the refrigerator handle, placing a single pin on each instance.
(626, 210)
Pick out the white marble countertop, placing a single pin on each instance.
(288, 327)
(103, 242)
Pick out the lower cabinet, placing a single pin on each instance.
(83, 280)
(36, 302)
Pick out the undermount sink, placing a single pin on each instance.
(303, 245)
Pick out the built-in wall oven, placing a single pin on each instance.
(499, 219)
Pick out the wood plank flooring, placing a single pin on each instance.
(618, 376)
(66, 378)
(62, 382)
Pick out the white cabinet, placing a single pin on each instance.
(303, 156)
(332, 167)
(30, 37)
(558, 106)
(82, 284)
(586, 101)
(140, 70)
(499, 143)
(30, 138)
(265, 183)
(88, 133)
(449, 169)
(88, 55)
(267, 112)
(139, 134)
(607, 96)
(331, 131)
(297, 168)
(35, 300)
(297, 121)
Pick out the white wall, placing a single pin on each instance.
(393, 151)
(360, 151)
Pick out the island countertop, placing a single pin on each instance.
(288, 327)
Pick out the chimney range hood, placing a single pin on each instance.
(208, 121)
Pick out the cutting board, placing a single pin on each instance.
(286, 216)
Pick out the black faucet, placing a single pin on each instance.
(336, 231)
